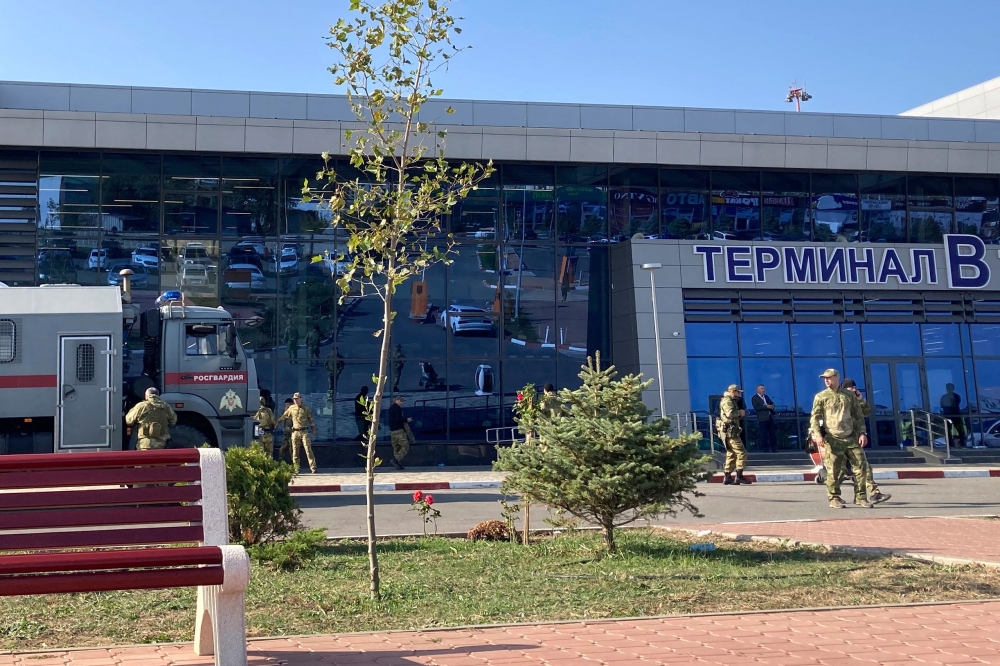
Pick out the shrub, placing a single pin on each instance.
(260, 507)
(489, 530)
(292, 552)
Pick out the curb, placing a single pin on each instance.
(390, 487)
(786, 477)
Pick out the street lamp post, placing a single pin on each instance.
(656, 334)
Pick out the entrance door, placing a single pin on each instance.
(894, 388)
(85, 393)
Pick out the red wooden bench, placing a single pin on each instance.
(93, 522)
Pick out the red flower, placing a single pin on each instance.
(520, 397)
(429, 500)
(417, 496)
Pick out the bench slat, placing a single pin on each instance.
(24, 520)
(100, 497)
(47, 461)
(99, 477)
(103, 582)
(97, 538)
(37, 563)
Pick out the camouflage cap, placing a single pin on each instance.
(296, 395)
(734, 387)
(830, 372)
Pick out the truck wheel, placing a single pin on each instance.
(187, 437)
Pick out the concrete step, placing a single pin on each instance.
(976, 456)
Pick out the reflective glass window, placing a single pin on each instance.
(710, 339)
(808, 382)
(985, 339)
(931, 207)
(816, 340)
(581, 203)
(835, 207)
(855, 369)
(419, 303)
(191, 214)
(528, 212)
(477, 216)
(776, 376)
(474, 391)
(684, 209)
(941, 339)
(529, 324)
(736, 205)
(710, 376)
(946, 384)
(883, 208)
(193, 269)
(482, 284)
(130, 192)
(764, 339)
(988, 379)
(191, 172)
(851, 334)
(69, 186)
(977, 202)
(582, 300)
(249, 196)
(785, 206)
(891, 339)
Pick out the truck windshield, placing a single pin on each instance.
(206, 339)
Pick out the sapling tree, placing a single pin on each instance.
(596, 454)
(387, 54)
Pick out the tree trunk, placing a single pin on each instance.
(376, 412)
(609, 537)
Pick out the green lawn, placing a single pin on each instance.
(435, 582)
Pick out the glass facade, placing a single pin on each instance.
(898, 367)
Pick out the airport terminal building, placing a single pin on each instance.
(786, 244)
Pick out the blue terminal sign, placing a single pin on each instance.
(965, 263)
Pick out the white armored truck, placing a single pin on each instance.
(74, 359)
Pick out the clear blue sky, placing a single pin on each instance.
(874, 56)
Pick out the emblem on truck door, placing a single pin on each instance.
(231, 401)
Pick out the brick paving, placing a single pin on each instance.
(939, 539)
(962, 633)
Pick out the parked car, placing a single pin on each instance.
(244, 254)
(99, 260)
(140, 277)
(256, 246)
(113, 247)
(55, 266)
(245, 277)
(287, 263)
(195, 253)
(192, 275)
(147, 257)
(466, 319)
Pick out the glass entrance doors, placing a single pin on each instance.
(894, 388)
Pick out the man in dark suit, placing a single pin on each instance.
(764, 406)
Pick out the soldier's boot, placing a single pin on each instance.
(742, 480)
(728, 479)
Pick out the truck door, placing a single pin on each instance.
(84, 409)
(213, 367)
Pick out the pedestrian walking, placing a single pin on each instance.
(951, 407)
(361, 413)
(284, 452)
(334, 366)
(399, 432)
(313, 338)
(398, 362)
(764, 407)
(302, 422)
(266, 422)
(728, 427)
(154, 418)
(835, 425)
(292, 340)
(875, 495)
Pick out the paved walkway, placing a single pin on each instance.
(963, 633)
(945, 540)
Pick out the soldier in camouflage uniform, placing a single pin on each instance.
(728, 427)
(154, 418)
(875, 495)
(265, 420)
(302, 421)
(837, 425)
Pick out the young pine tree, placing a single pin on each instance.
(599, 457)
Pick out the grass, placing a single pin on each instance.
(436, 582)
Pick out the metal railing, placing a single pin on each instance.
(926, 426)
